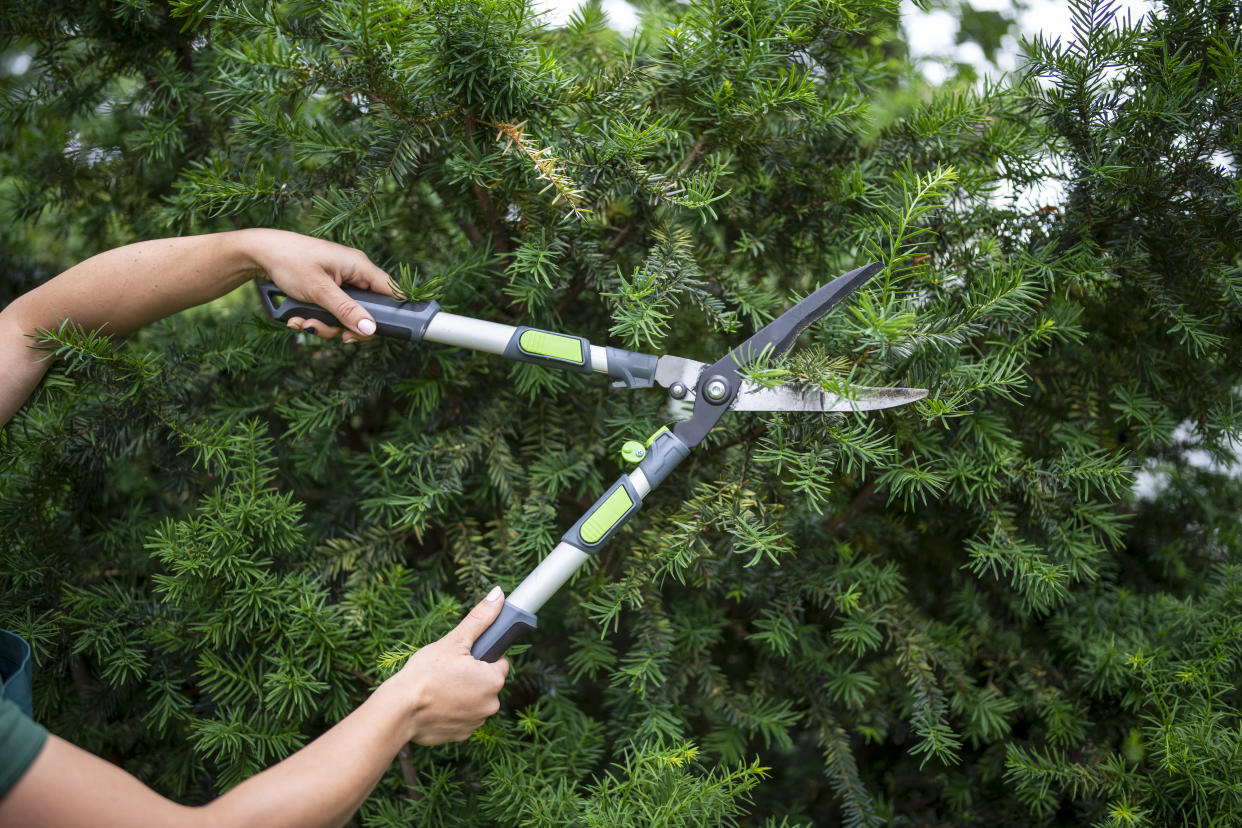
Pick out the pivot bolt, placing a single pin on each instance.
(677, 390)
(716, 389)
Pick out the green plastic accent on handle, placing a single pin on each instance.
(553, 346)
(606, 516)
(653, 437)
(633, 451)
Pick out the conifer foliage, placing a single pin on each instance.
(218, 536)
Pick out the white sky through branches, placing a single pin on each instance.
(929, 34)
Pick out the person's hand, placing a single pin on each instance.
(313, 270)
(451, 693)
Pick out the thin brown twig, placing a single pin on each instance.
(570, 295)
(468, 228)
(579, 282)
(491, 217)
(695, 152)
(408, 772)
(752, 434)
(358, 674)
(622, 234)
(82, 685)
(854, 505)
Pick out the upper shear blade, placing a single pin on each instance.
(809, 398)
(770, 341)
(675, 369)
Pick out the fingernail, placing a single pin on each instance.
(309, 329)
(494, 595)
(367, 327)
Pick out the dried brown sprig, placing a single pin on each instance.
(545, 162)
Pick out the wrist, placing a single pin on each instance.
(405, 699)
(250, 245)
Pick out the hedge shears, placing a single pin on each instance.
(703, 392)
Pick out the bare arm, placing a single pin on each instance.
(126, 288)
(441, 695)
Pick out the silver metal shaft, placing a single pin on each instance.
(489, 337)
(551, 574)
(467, 332)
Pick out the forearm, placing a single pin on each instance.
(22, 369)
(125, 288)
(441, 695)
(119, 290)
(130, 286)
(320, 785)
(326, 781)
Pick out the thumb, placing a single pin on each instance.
(331, 297)
(479, 618)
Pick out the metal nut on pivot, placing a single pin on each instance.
(716, 389)
(677, 390)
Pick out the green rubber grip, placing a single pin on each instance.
(605, 516)
(553, 346)
(555, 350)
(609, 513)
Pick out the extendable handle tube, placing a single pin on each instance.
(418, 321)
(586, 537)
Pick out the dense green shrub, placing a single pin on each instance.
(218, 536)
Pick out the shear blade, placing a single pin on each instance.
(806, 398)
(674, 369)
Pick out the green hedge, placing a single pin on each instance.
(217, 536)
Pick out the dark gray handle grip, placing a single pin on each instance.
(393, 317)
(631, 369)
(511, 623)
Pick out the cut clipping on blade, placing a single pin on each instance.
(809, 398)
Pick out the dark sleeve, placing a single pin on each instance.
(21, 739)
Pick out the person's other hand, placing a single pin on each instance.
(451, 693)
(313, 270)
